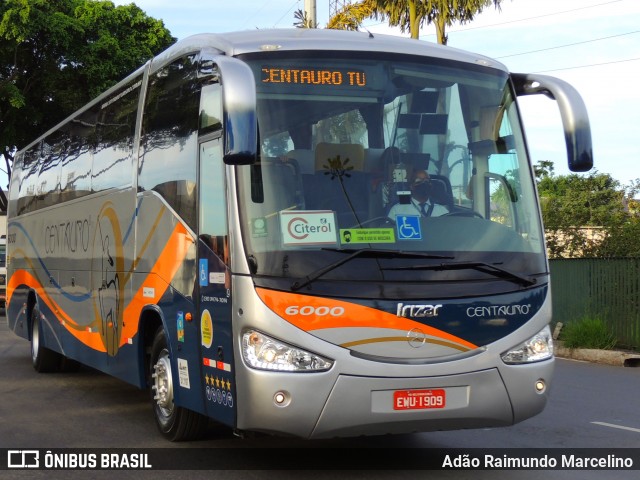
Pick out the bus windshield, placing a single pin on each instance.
(390, 172)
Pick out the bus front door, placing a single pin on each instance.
(214, 286)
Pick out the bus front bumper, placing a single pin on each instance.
(298, 405)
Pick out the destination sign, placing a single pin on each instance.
(314, 76)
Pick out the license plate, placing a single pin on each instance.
(419, 399)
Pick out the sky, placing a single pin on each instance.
(592, 44)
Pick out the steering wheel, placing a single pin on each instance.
(463, 213)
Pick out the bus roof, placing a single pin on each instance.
(291, 39)
(314, 39)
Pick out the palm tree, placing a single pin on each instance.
(410, 15)
(303, 20)
(352, 15)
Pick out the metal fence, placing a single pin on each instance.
(599, 287)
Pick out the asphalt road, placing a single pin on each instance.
(591, 406)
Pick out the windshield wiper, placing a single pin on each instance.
(479, 266)
(362, 252)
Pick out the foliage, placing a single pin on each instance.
(588, 332)
(352, 15)
(303, 20)
(411, 15)
(581, 200)
(586, 216)
(543, 169)
(57, 55)
(621, 241)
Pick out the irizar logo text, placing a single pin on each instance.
(418, 311)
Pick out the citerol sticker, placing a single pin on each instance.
(308, 227)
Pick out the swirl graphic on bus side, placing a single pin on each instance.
(108, 259)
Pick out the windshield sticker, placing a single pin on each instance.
(308, 227)
(367, 235)
(259, 227)
(408, 227)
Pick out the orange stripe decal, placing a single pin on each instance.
(150, 292)
(155, 285)
(86, 334)
(314, 313)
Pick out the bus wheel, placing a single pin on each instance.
(43, 359)
(67, 365)
(175, 423)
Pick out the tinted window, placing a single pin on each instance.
(27, 201)
(77, 148)
(114, 139)
(169, 146)
(49, 181)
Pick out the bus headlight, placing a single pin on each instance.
(537, 348)
(266, 353)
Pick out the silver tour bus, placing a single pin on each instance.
(302, 232)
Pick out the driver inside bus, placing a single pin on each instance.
(420, 202)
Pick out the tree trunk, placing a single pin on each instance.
(414, 23)
(440, 30)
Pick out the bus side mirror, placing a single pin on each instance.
(239, 105)
(575, 120)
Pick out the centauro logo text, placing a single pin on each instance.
(498, 310)
(417, 311)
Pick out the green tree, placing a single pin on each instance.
(623, 241)
(584, 215)
(411, 15)
(57, 55)
(544, 168)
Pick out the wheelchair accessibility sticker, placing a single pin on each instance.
(203, 270)
(408, 227)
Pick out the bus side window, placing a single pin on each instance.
(29, 180)
(169, 143)
(210, 108)
(114, 134)
(50, 171)
(213, 199)
(77, 156)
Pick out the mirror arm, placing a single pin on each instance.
(575, 120)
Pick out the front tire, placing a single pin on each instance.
(175, 423)
(43, 359)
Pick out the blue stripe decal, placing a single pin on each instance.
(132, 223)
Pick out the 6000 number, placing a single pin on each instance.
(308, 310)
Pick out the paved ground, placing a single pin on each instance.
(609, 357)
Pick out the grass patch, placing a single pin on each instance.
(588, 332)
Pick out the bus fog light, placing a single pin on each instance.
(541, 386)
(282, 399)
(536, 349)
(266, 353)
